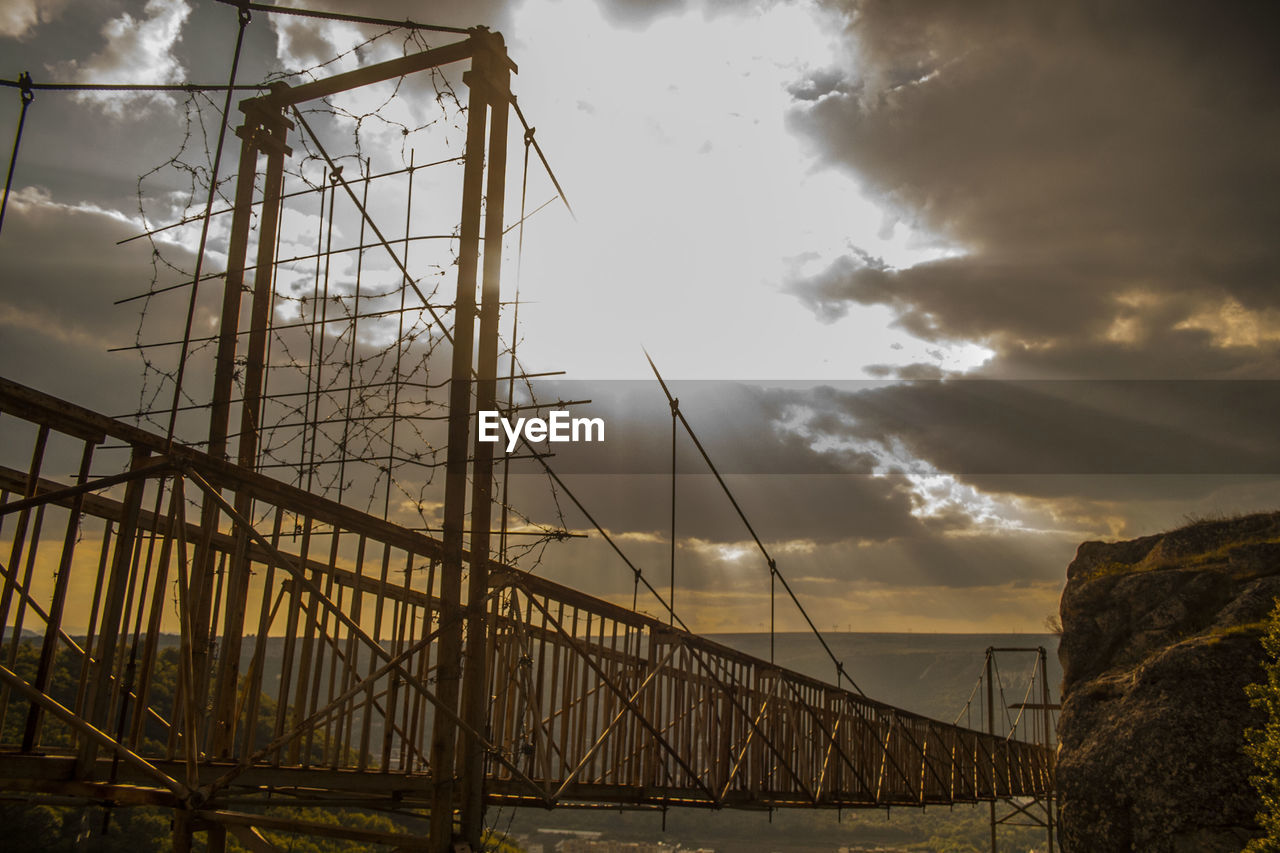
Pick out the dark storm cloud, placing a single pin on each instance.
(1142, 503)
(780, 507)
(450, 13)
(57, 303)
(1049, 437)
(966, 426)
(786, 487)
(799, 460)
(21, 19)
(1078, 153)
(741, 425)
(1137, 193)
(638, 14)
(823, 569)
(1076, 427)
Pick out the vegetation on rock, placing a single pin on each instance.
(1263, 742)
(1161, 636)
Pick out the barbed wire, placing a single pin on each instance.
(343, 411)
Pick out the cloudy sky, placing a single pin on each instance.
(945, 288)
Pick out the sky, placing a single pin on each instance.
(944, 288)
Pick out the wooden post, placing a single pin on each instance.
(200, 593)
(448, 676)
(489, 74)
(237, 250)
(991, 730)
(182, 831)
(1048, 743)
(273, 130)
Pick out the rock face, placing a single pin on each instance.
(1160, 637)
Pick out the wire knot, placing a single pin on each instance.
(24, 84)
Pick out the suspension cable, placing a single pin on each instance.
(350, 19)
(515, 332)
(24, 80)
(639, 576)
(1004, 702)
(283, 196)
(1031, 683)
(129, 87)
(675, 411)
(964, 711)
(244, 18)
(543, 157)
(445, 332)
(773, 566)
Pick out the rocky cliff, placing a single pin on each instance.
(1160, 637)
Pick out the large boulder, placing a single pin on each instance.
(1160, 636)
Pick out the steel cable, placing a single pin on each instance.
(773, 565)
(244, 19)
(24, 80)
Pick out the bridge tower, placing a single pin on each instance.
(462, 678)
(1035, 810)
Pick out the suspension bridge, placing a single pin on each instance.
(215, 625)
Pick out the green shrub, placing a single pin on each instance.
(1262, 744)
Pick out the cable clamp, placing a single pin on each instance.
(24, 84)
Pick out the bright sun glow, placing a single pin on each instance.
(694, 199)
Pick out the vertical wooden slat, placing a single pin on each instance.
(355, 611)
(286, 662)
(335, 657)
(19, 543)
(366, 728)
(113, 606)
(325, 659)
(308, 642)
(253, 686)
(48, 648)
(403, 696)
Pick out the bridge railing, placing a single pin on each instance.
(595, 701)
(174, 625)
(164, 605)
